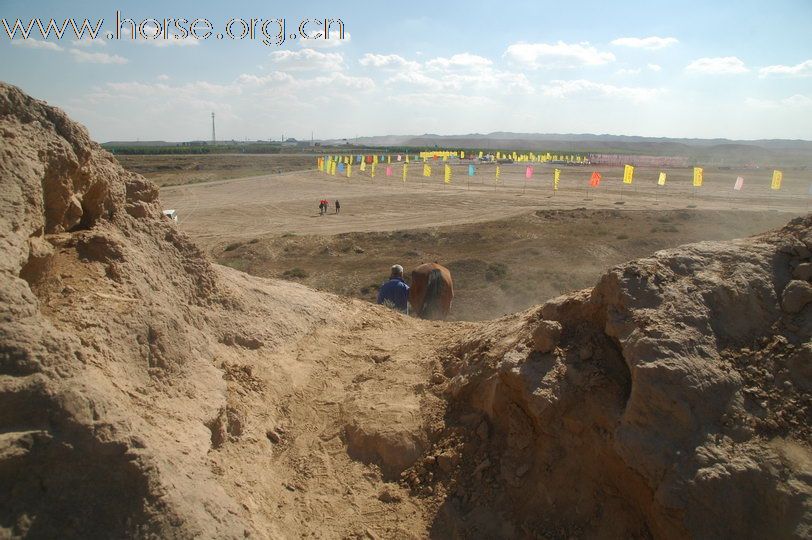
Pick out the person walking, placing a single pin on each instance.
(394, 293)
(338, 206)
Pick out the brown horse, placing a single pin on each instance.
(431, 291)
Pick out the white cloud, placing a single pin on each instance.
(339, 79)
(804, 69)
(654, 67)
(560, 54)
(624, 72)
(581, 87)
(387, 61)
(32, 43)
(796, 101)
(305, 59)
(651, 43)
(442, 100)
(87, 42)
(726, 65)
(163, 77)
(459, 61)
(96, 58)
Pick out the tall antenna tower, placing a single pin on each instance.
(213, 137)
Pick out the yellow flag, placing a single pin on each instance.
(405, 168)
(697, 176)
(447, 178)
(480, 154)
(363, 164)
(375, 159)
(333, 168)
(349, 170)
(407, 158)
(661, 179)
(556, 178)
(628, 174)
(462, 154)
(498, 172)
(389, 158)
(372, 171)
(426, 170)
(319, 164)
(777, 177)
(498, 155)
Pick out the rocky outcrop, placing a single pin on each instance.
(675, 402)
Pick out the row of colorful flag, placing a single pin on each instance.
(444, 155)
(344, 167)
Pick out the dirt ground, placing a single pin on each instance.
(173, 170)
(508, 246)
(499, 266)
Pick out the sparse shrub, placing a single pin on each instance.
(232, 247)
(495, 272)
(294, 273)
(622, 237)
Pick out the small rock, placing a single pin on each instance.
(803, 272)
(273, 436)
(446, 460)
(358, 249)
(386, 496)
(796, 295)
(522, 470)
(437, 378)
(546, 336)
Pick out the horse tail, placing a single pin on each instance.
(434, 293)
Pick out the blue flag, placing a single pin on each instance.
(471, 170)
(341, 167)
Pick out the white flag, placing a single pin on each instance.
(739, 183)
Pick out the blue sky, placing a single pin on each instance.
(735, 69)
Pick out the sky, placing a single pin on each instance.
(701, 69)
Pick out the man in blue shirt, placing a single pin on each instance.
(395, 293)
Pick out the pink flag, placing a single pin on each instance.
(528, 172)
(398, 157)
(388, 170)
(739, 184)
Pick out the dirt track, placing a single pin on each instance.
(218, 212)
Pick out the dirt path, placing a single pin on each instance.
(365, 378)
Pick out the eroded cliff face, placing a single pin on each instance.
(672, 399)
(146, 392)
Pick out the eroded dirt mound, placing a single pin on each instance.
(143, 391)
(671, 400)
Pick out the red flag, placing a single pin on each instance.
(595, 181)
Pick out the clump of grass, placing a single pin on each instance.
(622, 237)
(288, 235)
(232, 247)
(295, 273)
(495, 272)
